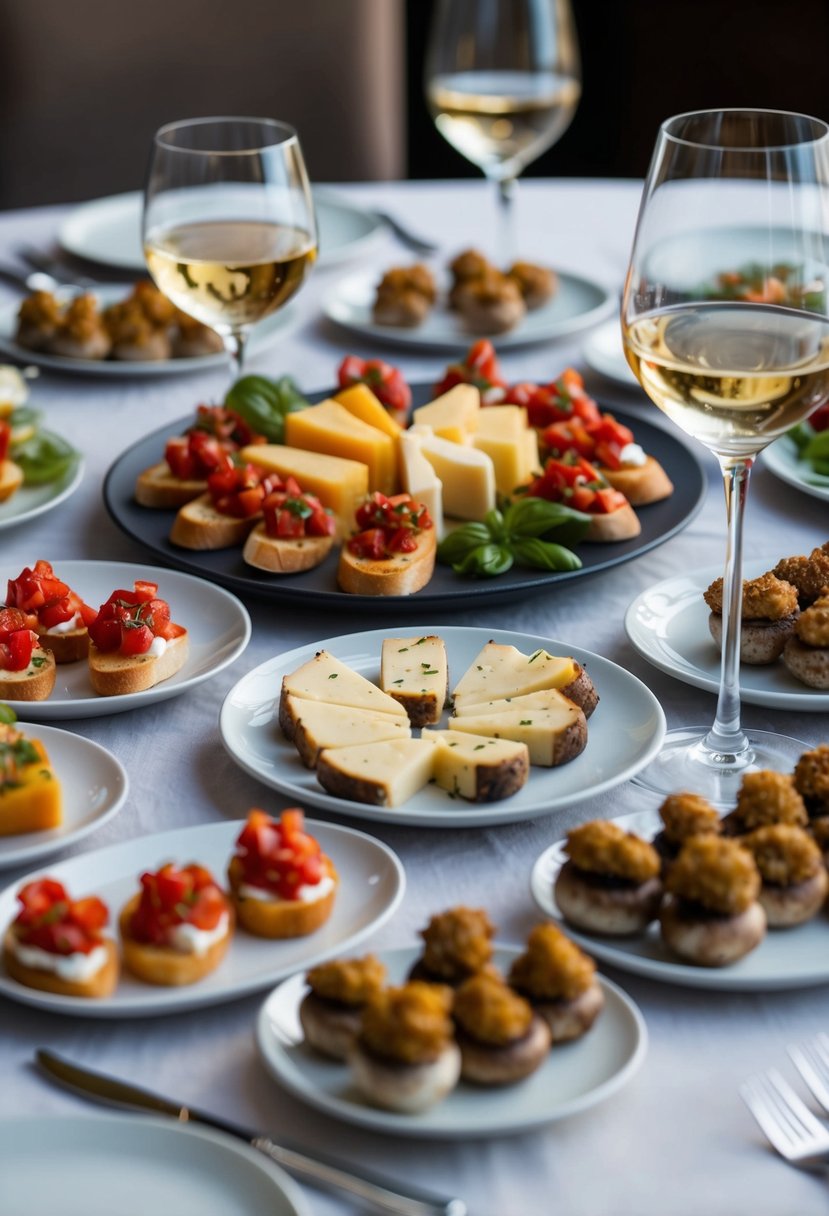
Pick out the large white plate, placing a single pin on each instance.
(603, 352)
(668, 625)
(782, 458)
(372, 882)
(578, 304)
(30, 501)
(94, 787)
(574, 1077)
(785, 959)
(624, 733)
(103, 1164)
(108, 230)
(218, 625)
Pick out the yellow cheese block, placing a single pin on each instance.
(330, 429)
(339, 484)
(505, 421)
(503, 671)
(33, 802)
(360, 401)
(467, 475)
(510, 443)
(453, 415)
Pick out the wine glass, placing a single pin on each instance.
(229, 228)
(503, 80)
(724, 321)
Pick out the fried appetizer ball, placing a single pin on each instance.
(500, 1038)
(37, 320)
(404, 295)
(457, 944)
(769, 612)
(811, 780)
(491, 304)
(191, 339)
(610, 884)
(404, 1057)
(465, 268)
(537, 284)
(712, 916)
(330, 1013)
(809, 575)
(765, 797)
(795, 881)
(153, 303)
(135, 337)
(559, 980)
(684, 815)
(820, 833)
(81, 333)
(806, 653)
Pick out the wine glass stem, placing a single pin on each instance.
(235, 346)
(507, 187)
(726, 737)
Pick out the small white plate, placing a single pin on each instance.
(578, 304)
(574, 1077)
(624, 733)
(103, 1164)
(785, 959)
(372, 882)
(93, 785)
(218, 625)
(603, 352)
(782, 458)
(108, 230)
(30, 501)
(668, 625)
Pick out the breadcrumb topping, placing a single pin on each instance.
(552, 967)
(40, 309)
(82, 319)
(417, 278)
(810, 575)
(811, 776)
(470, 264)
(784, 854)
(602, 847)
(766, 598)
(687, 815)
(458, 943)
(351, 981)
(410, 1024)
(768, 797)
(812, 626)
(717, 873)
(488, 1010)
(820, 830)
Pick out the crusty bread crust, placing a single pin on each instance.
(163, 966)
(67, 647)
(101, 984)
(283, 556)
(400, 575)
(29, 686)
(11, 479)
(622, 524)
(158, 487)
(641, 484)
(279, 918)
(582, 691)
(115, 674)
(199, 525)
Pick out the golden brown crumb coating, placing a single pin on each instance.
(602, 847)
(687, 815)
(809, 575)
(536, 283)
(458, 943)
(128, 323)
(490, 288)
(410, 1024)
(767, 797)
(153, 303)
(417, 278)
(812, 626)
(784, 854)
(40, 309)
(552, 967)
(820, 830)
(811, 776)
(764, 599)
(717, 873)
(470, 264)
(82, 318)
(488, 1010)
(351, 980)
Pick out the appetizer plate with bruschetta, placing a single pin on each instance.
(668, 625)
(783, 459)
(575, 1076)
(622, 735)
(371, 883)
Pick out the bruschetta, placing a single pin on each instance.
(610, 446)
(11, 474)
(393, 550)
(189, 458)
(55, 612)
(580, 485)
(296, 532)
(133, 643)
(30, 793)
(27, 670)
(224, 515)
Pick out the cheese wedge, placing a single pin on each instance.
(467, 475)
(325, 678)
(478, 768)
(414, 671)
(339, 484)
(418, 478)
(452, 416)
(360, 401)
(319, 724)
(382, 774)
(330, 429)
(503, 671)
(31, 802)
(554, 735)
(545, 698)
(510, 443)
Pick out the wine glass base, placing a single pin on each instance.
(684, 765)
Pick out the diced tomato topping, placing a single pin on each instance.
(50, 602)
(239, 489)
(176, 895)
(130, 620)
(278, 855)
(51, 921)
(17, 640)
(479, 367)
(385, 381)
(577, 483)
(226, 425)
(5, 439)
(388, 525)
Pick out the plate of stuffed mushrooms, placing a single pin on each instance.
(459, 1038)
(676, 625)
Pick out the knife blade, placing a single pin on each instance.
(326, 1173)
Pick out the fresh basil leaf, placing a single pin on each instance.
(486, 561)
(494, 520)
(817, 448)
(454, 547)
(801, 435)
(537, 517)
(44, 458)
(265, 403)
(7, 714)
(542, 555)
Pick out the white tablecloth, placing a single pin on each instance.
(677, 1139)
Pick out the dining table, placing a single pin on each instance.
(676, 1140)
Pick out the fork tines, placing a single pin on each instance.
(787, 1122)
(811, 1059)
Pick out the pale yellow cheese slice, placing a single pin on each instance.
(543, 699)
(503, 671)
(338, 483)
(319, 724)
(453, 415)
(553, 735)
(477, 767)
(467, 475)
(418, 478)
(502, 421)
(330, 429)
(360, 401)
(414, 671)
(382, 774)
(325, 678)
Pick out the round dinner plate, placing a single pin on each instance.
(603, 353)
(217, 623)
(102, 1164)
(623, 734)
(372, 883)
(785, 959)
(93, 785)
(574, 1077)
(578, 304)
(108, 230)
(668, 625)
(30, 501)
(783, 459)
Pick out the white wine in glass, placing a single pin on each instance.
(229, 228)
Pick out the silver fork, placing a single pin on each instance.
(787, 1122)
(811, 1059)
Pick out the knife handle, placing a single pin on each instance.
(372, 1189)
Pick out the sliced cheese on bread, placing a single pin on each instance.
(467, 475)
(382, 774)
(504, 671)
(319, 724)
(325, 678)
(330, 429)
(452, 416)
(554, 735)
(418, 478)
(414, 671)
(477, 767)
(338, 483)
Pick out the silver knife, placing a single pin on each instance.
(325, 1173)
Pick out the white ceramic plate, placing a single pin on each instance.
(603, 353)
(372, 882)
(218, 625)
(781, 457)
(574, 1077)
(108, 230)
(668, 625)
(127, 1164)
(30, 501)
(94, 787)
(624, 733)
(578, 304)
(785, 959)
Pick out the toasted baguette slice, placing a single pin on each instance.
(320, 725)
(33, 684)
(414, 671)
(163, 965)
(67, 647)
(622, 524)
(554, 735)
(115, 674)
(381, 774)
(101, 984)
(279, 555)
(325, 678)
(11, 479)
(277, 918)
(159, 487)
(477, 767)
(402, 574)
(641, 484)
(199, 525)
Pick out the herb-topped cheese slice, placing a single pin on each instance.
(414, 671)
(325, 678)
(503, 671)
(382, 774)
(554, 735)
(478, 768)
(545, 698)
(319, 724)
